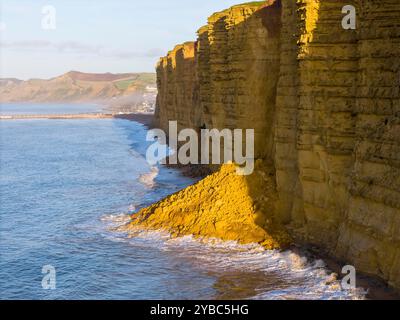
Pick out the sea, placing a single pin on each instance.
(66, 185)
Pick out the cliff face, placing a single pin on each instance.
(325, 106)
(227, 79)
(337, 140)
(178, 88)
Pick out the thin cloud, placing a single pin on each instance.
(75, 47)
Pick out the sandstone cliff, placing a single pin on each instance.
(325, 106)
(227, 79)
(204, 210)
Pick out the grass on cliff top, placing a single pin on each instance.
(124, 84)
(250, 4)
(142, 79)
(245, 4)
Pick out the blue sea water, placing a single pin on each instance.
(66, 184)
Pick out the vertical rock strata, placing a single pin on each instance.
(325, 106)
(178, 87)
(339, 181)
(228, 78)
(370, 232)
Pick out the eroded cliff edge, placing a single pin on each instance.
(325, 106)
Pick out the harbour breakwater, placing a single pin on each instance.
(57, 116)
(143, 118)
(324, 102)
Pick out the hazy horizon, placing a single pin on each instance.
(61, 74)
(95, 36)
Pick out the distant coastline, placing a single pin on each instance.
(126, 92)
(144, 118)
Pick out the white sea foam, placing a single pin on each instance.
(132, 208)
(296, 276)
(302, 279)
(116, 219)
(148, 178)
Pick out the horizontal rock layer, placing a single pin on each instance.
(325, 106)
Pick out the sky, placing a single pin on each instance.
(44, 39)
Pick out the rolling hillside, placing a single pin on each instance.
(76, 87)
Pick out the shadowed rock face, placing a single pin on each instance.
(228, 77)
(325, 106)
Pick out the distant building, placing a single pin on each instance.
(151, 89)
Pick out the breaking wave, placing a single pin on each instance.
(148, 179)
(257, 273)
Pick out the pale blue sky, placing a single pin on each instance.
(96, 35)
